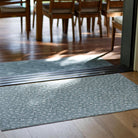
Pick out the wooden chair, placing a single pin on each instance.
(89, 8)
(63, 9)
(117, 24)
(34, 11)
(15, 8)
(111, 8)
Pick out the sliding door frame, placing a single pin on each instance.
(136, 48)
(129, 33)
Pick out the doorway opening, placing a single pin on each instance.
(14, 47)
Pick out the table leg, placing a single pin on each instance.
(39, 20)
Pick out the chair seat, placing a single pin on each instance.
(88, 10)
(104, 8)
(85, 10)
(12, 9)
(118, 19)
(56, 11)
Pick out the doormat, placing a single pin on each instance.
(54, 101)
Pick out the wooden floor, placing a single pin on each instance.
(15, 47)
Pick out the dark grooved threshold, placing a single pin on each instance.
(58, 75)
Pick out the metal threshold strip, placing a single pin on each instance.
(58, 75)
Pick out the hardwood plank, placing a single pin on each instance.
(133, 76)
(114, 126)
(18, 133)
(42, 131)
(129, 119)
(90, 128)
(2, 135)
(56, 130)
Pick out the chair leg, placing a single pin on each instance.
(51, 33)
(73, 28)
(98, 21)
(93, 24)
(65, 25)
(75, 21)
(88, 24)
(21, 24)
(42, 21)
(79, 27)
(63, 28)
(100, 25)
(27, 28)
(28, 19)
(57, 22)
(107, 25)
(28, 25)
(33, 18)
(113, 37)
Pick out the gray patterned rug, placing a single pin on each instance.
(78, 62)
(54, 101)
